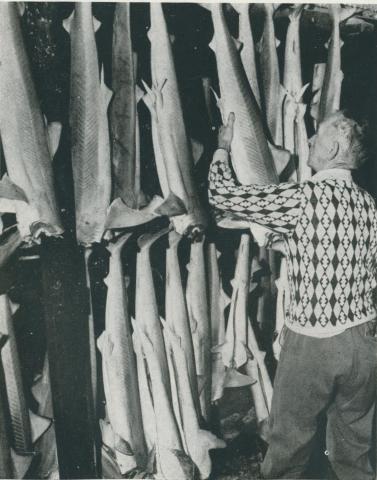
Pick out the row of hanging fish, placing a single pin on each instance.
(29, 144)
(276, 102)
(157, 374)
(158, 403)
(161, 375)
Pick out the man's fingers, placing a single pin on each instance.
(231, 119)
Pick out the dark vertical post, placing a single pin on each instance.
(66, 308)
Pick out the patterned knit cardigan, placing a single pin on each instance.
(330, 231)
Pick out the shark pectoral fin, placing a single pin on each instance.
(235, 379)
(20, 463)
(54, 130)
(139, 93)
(281, 158)
(11, 191)
(39, 425)
(149, 34)
(124, 455)
(106, 93)
(149, 98)
(67, 22)
(102, 341)
(13, 306)
(225, 299)
(123, 446)
(219, 104)
(255, 266)
(120, 215)
(186, 464)
(171, 207)
(197, 150)
(96, 24)
(252, 286)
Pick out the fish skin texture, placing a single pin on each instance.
(89, 101)
(22, 129)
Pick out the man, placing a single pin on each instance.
(328, 359)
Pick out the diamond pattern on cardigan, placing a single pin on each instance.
(330, 227)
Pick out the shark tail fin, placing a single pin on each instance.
(171, 207)
(234, 379)
(118, 244)
(147, 240)
(281, 157)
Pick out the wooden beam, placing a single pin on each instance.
(317, 16)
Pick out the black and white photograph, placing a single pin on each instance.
(188, 240)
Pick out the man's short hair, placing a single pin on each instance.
(352, 137)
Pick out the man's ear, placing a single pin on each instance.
(334, 150)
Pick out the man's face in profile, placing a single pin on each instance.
(323, 146)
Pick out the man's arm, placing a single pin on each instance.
(275, 206)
